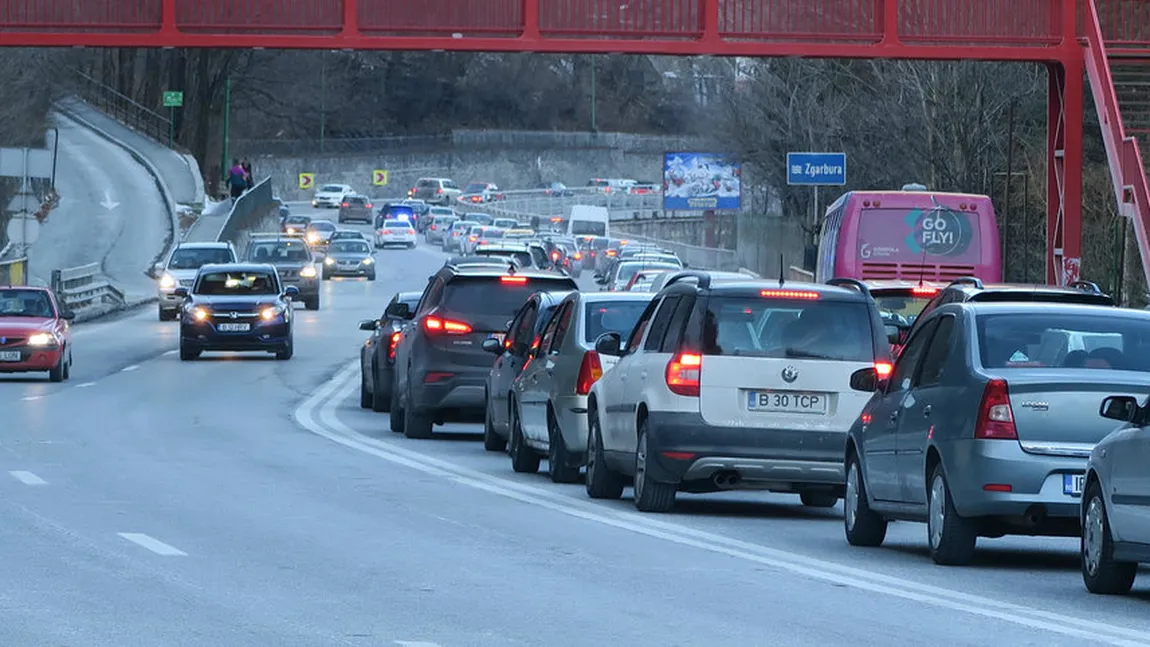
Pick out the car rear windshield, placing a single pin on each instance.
(398, 224)
(480, 218)
(505, 223)
(357, 202)
(462, 224)
(1064, 340)
(899, 308)
(493, 295)
(194, 259)
(999, 296)
(280, 251)
(475, 188)
(491, 233)
(236, 283)
(522, 259)
(627, 270)
(787, 328)
(612, 316)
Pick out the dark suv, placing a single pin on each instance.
(441, 367)
(377, 354)
(972, 289)
(355, 207)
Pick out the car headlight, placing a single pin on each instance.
(291, 230)
(308, 272)
(313, 238)
(42, 339)
(271, 312)
(199, 314)
(329, 261)
(167, 282)
(368, 261)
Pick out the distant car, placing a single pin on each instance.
(439, 227)
(294, 261)
(454, 238)
(555, 190)
(377, 354)
(318, 234)
(439, 191)
(481, 192)
(183, 264)
(349, 258)
(237, 307)
(35, 333)
(355, 207)
(480, 218)
(294, 224)
(330, 196)
(395, 232)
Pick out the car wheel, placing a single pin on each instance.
(287, 351)
(561, 466)
(371, 277)
(416, 424)
(864, 527)
(952, 538)
(492, 441)
(365, 397)
(601, 482)
(166, 315)
(818, 499)
(396, 417)
(312, 303)
(187, 354)
(68, 367)
(1101, 573)
(380, 397)
(524, 460)
(56, 373)
(326, 276)
(650, 495)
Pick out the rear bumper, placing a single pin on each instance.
(32, 359)
(682, 447)
(396, 240)
(462, 393)
(1034, 479)
(571, 414)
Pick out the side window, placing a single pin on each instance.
(661, 322)
(641, 327)
(935, 357)
(673, 340)
(900, 380)
(549, 331)
(523, 327)
(564, 324)
(431, 296)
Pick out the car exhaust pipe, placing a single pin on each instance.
(725, 480)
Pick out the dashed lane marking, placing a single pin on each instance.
(27, 478)
(31, 398)
(85, 385)
(129, 369)
(151, 543)
(171, 352)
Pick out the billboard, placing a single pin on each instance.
(701, 181)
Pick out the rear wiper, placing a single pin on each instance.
(790, 352)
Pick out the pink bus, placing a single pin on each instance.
(911, 235)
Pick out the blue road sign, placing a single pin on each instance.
(817, 169)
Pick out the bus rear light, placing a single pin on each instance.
(788, 294)
(866, 203)
(877, 204)
(683, 372)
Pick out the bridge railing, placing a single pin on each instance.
(123, 107)
(81, 287)
(247, 211)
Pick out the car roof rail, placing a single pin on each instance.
(1085, 286)
(856, 284)
(967, 280)
(703, 278)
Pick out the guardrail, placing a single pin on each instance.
(523, 205)
(81, 287)
(14, 272)
(247, 210)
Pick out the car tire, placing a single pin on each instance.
(167, 315)
(1101, 573)
(952, 538)
(287, 351)
(492, 441)
(187, 354)
(524, 459)
(380, 401)
(560, 464)
(371, 277)
(68, 367)
(365, 396)
(416, 424)
(602, 482)
(326, 276)
(312, 303)
(650, 495)
(863, 526)
(396, 413)
(411, 245)
(818, 499)
(58, 372)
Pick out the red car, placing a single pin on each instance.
(35, 334)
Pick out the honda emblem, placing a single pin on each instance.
(234, 315)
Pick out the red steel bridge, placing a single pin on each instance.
(1104, 41)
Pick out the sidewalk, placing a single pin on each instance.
(179, 172)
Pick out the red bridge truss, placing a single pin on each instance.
(1107, 41)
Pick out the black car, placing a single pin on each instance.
(377, 355)
(293, 224)
(236, 307)
(355, 207)
(441, 365)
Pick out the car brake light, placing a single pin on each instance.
(433, 228)
(924, 292)
(883, 369)
(386, 232)
(391, 344)
(995, 417)
(517, 280)
(683, 373)
(611, 252)
(788, 294)
(439, 191)
(368, 205)
(437, 325)
(589, 372)
(554, 256)
(578, 256)
(410, 232)
(343, 205)
(474, 238)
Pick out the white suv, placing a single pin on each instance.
(734, 385)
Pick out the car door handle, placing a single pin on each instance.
(926, 411)
(894, 416)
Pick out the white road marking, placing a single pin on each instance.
(27, 478)
(317, 414)
(151, 543)
(85, 385)
(171, 352)
(129, 369)
(416, 643)
(31, 398)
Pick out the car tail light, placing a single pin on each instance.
(683, 373)
(611, 252)
(438, 325)
(410, 232)
(367, 206)
(392, 343)
(385, 232)
(578, 256)
(433, 228)
(473, 238)
(517, 280)
(995, 417)
(924, 292)
(788, 294)
(883, 369)
(439, 191)
(589, 372)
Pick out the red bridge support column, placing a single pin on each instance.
(1065, 117)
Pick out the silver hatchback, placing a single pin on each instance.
(986, 422)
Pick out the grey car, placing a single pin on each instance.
(294, 261)
(454, 237)
(984, 427)
(377, 354)
(440, 224)
(349, 258)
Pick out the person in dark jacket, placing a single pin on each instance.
(237, 180)
(248, 177)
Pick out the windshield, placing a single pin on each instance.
(491, 233)
(787, 328)
(1057, 340)
(611, 316)
(397, 224)
(25, 303)
(491, 296)
(236, 283)
(475, 187)
(439, 212)
(627, 270)
(194, 259)
(588, 228)
(901, 309)
(934, 235)
(505, 223)
(321, 225)
(279, 251)
(480, 218)
(331, 188)
(462, 224)
(349, 247)
(522, 259)
(297, 220)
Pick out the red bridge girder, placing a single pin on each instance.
(1047, 31)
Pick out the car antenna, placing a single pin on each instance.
(922, 267)
(782, 269)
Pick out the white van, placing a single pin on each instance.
(589, 221)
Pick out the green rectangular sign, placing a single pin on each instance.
(173, 99)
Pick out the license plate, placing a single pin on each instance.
(235, 327)
(787, 402)
(1072, 484)
(10, 356)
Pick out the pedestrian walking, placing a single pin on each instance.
(248, 177)
(237, 180)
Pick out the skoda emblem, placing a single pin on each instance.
(234, 315)
(790, 374)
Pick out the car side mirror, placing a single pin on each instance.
(865, 379)
(493, 346)
(157, 270)
(1119, 407)
(291, 292)
(370, 325)
(609, 344)
(894, 333)
(181, 292)
(399, 310)
(67, 315)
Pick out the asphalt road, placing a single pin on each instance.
(251, 502)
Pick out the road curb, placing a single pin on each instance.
(100, 312)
